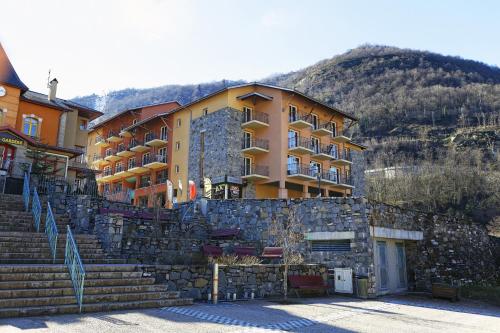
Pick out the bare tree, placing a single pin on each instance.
(286, 233)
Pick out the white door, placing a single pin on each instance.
(343, 280)
(390, 263)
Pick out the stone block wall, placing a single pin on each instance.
(221, 156)
(197, 280)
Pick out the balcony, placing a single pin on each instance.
(137, 167)
(99, 160)
(339, 180)
(300, 120)
(106, 176)
(254, 146)
(138, 146)
(299, 145)
(111, 156)
(114, 137)
(154, 140)
(255, 172)
(343, 157)
(338, 136)
(125, 134)
(323, 129)
(155, 161)
(255, 120)
(101, 142)
(301, 172)
(324, 152)
(123, 151)
(121, 172)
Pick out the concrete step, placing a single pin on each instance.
(65, 276)
(106, 261)
(52, 292)
(87, 299)
(93, 307)
(46, 254)
(63, 268)
(43, 284)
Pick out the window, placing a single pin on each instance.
(120, 148)
(205, 111)
(315, 121)
(107, 188)
(334, 129)
(108, 152)
(118, 187)
(161, 176)
(119, 167)
(247, 114)
(315, 168)
(145, 181)
(107, 171)
(131, 163)
(293, 139)
(83, 125)
(178, 145)
(177, 169)
(178, 122)
(145, 158)
(247, 140)
(337, 245)
(164, 133)
(83, 157)
(162, 153)
(315, 145)
(30, 126)
(147, 136)
(293, 165)
(134, 121)
(334, 151)
(334, 174)
(292, 113)
(247, 166)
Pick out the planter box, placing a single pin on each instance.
(442, 290)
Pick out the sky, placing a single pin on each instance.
(99, 46)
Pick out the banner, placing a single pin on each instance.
(170, 191)
(192, 190)
(207, 188)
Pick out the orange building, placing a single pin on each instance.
(33, 122)
(131, 152)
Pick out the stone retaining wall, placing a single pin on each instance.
(196, 280)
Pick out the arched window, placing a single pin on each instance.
(30, 126)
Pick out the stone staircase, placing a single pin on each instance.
(31, 284)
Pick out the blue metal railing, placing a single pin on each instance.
(36, 209)
(26, 191)
(75, 266)
(51, 231)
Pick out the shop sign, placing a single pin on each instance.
(10, 139)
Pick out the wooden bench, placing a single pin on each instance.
(242, 251)
(212, 251)
(272, 253)
(307, 282)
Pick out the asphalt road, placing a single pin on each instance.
(337, 314)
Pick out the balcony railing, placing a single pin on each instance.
(341, 178)
(253, 115)
(107, 172)
(154, 158)
(326, 149)
(112, 134)
(110, 152)
(301, 169)
(135, 143)
(120, 168)
(100, 140)
(161, 180)
(299, 142)
(255, 169)
(299, 116)
(255, 143)
(121, 148)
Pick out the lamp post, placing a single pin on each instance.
(318, 175)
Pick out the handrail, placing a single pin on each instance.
(75, 266)
(51, 231)
(26, 191)
(36, 209)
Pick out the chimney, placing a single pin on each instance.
(52, 89)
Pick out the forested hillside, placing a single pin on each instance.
(437, 117)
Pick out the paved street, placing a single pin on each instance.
(337, 314)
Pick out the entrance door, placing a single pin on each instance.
(390, 264)
(383, 276)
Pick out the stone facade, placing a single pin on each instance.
(222, 157)
(196, 280)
